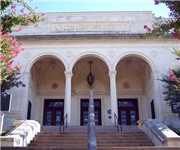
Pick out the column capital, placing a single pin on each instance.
(112, 74)
(68, 74)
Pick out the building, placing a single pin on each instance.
(55, 65)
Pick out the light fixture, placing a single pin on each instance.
(90, 77)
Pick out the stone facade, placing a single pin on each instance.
(55, 64)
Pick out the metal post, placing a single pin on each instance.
(92, 145)
(1, 121)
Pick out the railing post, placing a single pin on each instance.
(64, 122)
(66, 119)
(1, 121)
(92, 145)
(115, 120)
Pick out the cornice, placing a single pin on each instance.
(86, 36)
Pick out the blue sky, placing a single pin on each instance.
(99, 5)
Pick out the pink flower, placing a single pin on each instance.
(22, 10)
(18, 30)
(9, 64)
(14, 6)
(147, 28)
(14, 43)
(14, 54)
(171, 74)
(156, 2)
(43, 14)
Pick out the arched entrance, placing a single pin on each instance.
(80, 90)
(134, 89)
(46, 91)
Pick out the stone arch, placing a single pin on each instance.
(82, 70)
(29, 65)
(135, 78)
(93, 54)
(135, 54)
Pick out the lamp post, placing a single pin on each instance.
(92, 144)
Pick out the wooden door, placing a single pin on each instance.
(53, 112)
(84, 111)
(128, 111)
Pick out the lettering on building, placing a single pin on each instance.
(65, 27)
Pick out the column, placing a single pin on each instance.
(157, 97)
(113, 94)
(24, 97)
(67, 102)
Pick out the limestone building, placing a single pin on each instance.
(55, 65)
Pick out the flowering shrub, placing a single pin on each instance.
(10, 48)
(18, 12)
(13, 13)
(172, 86)
(165, 26)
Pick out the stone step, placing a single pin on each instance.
(84, 129)
(98, 145)
(98, 139)
(105, 138)
(98, 148)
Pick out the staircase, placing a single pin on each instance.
(107, 137)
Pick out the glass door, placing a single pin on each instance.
(53, 112)
(84, 111)
(128, 111)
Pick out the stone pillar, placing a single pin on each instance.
(67, 102)
(113, 94)
(24, 95)
(157, 97)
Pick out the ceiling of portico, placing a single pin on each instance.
(132, 74)
(46, 72)
(81, 70)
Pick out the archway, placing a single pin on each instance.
(134, 89)
(80, 90)
(46, 90)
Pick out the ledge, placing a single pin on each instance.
(85, 36)
(21, 135)
(158, 131)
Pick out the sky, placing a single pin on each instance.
(45, 6)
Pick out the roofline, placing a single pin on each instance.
(86, 36)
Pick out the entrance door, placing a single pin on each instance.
(128, 111)
(84, 111)
(53, 112)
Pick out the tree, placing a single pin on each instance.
(172, 82)
(13, 13)
(165, 26)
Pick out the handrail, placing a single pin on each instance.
(117, 122)
(63, 123)
(91, 130)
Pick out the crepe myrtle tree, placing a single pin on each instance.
(165, 26)
(160, 29)
(14, 13)
(172, 81)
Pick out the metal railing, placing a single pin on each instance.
(63, 123)
(117, 123)
(91, 140)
